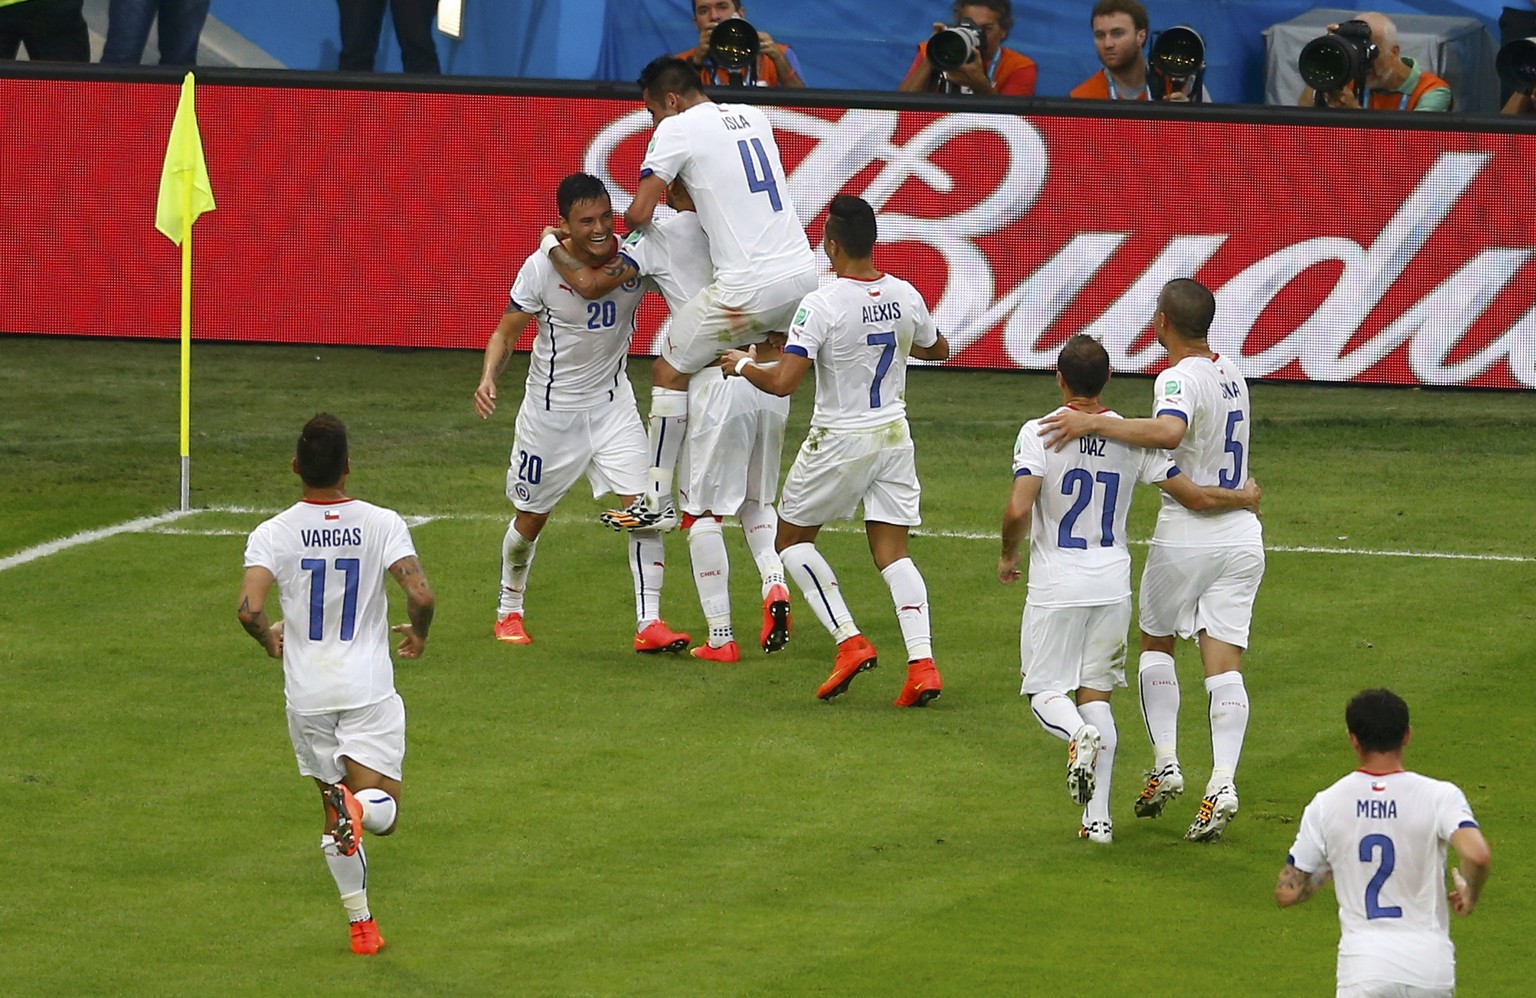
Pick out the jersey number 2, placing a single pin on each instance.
(761, 178)
(1368, 847)
(348, 567)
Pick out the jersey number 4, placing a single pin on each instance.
(316, 567)
(759, 178)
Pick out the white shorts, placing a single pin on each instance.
(372, 736)
(553, 448)
(735, 445)
(838, 469)
(1062, 648)
(1186, 590)
(714, 320)
(1387, 989)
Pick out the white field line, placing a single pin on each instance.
(157, 524)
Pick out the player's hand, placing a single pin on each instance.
(1008, 569)
(1460, 896)
(1061, 428)
(1251, 494)
(485, 399)
(731, 358)
(275, 648)
(558, 231)
(411, 643)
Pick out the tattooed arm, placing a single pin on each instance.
(253, 612)
(590, 282)
(419, 606)
(1296, 886)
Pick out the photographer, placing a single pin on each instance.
(776, 64)
(991, 68)
(1120, 38)
(1393, 82)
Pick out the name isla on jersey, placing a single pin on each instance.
(882, 313)
(736, 122)
(332, 538)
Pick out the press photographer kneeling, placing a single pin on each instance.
(1359, 64)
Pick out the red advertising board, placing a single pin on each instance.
(1338, 253)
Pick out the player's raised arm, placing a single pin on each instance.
(1026, 489)
(1201, 498)
(497, 349)
(419, 605)
(589, 282)
(1066, 425)
(779, 379)
(253, 611)
(647, 197)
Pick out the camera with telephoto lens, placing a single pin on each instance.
(953, 47)
(1516, 64)
(1339, 58)
(733, 46)
(1178, 57)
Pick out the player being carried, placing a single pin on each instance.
(1203, 570)
(726, 155)
(734, 439)
(858, 332)
(1074, 503)
(578, 413)
(328, 555)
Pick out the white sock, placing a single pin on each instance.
(910, 594)
(760, 523)
(1057, 714)
(516, 559)
(379, 810)
(1098, 714)
(1160, 704)
(667, 428)
(712, 576)
(1229, 723)
(819, 585)
(647, 565)
(351, 876)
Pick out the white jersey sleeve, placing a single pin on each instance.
(1211, 397)
(329, 561)
(674, 253)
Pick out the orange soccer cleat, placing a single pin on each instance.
(923, 685)
(775, 619)
(366, 940)
(510, 629)
(853, 657)
(349, 817)
(727, 652)
(658, 637)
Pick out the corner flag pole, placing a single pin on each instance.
(185, 193)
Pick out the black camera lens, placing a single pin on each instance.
(1328, 63)
(1516, 64)
(1179, 52)
(952, 47)
(733, 44)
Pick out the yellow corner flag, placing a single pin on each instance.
(185, 192)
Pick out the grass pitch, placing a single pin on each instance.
(578, 819)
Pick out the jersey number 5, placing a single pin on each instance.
(760, 178)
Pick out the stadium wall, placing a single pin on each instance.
(1385, 250)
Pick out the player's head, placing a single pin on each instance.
(678, 197)
(1119, 32)
(1378, 721)
(321, 455)
(850, 228)
(1084, 366)
(669, 85)
(587, 212)
(1188, 307)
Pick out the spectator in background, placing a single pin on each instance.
(1393, 83)
(52, 30)
(362, 22)
(1120, 38)
(776, 64)
(128, 21)
(992, 70)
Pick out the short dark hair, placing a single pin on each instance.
(1002, 8)
(851, 223)
(578, 187)
(1189, 305)
(1137, 12)
(322, 451)
(1084, 365)
(668, 74)
(1378, 719)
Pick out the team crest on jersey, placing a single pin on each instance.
(521, 491)
(633, 284)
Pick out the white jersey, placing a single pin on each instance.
(329, 560)
(1385, 838)
(581, 347)
(859, 334)
(728, 159)
(1210, 395)
(673, 253)
(1077, 552)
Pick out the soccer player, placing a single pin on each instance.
(1381, 834)
(858, 332)
(1203, 570)
(1074, 503)
(578, 413)
(328, 554)
(727, 157)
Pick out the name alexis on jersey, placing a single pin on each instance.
(332, 538)
(882, 313)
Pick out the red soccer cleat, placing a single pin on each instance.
(510, 629)
(658, 637)
(775, 619)
(923, 685)
(366, 940)
(349, 817)
(727, 652)
(853, 657)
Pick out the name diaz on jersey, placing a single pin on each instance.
(332, 538)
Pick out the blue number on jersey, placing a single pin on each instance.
(530, 467)
(602, 314)
(349, 567)
(887, 344)
(1080, 481)
(1368, 847)
(760, 179)
(1235, 448)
